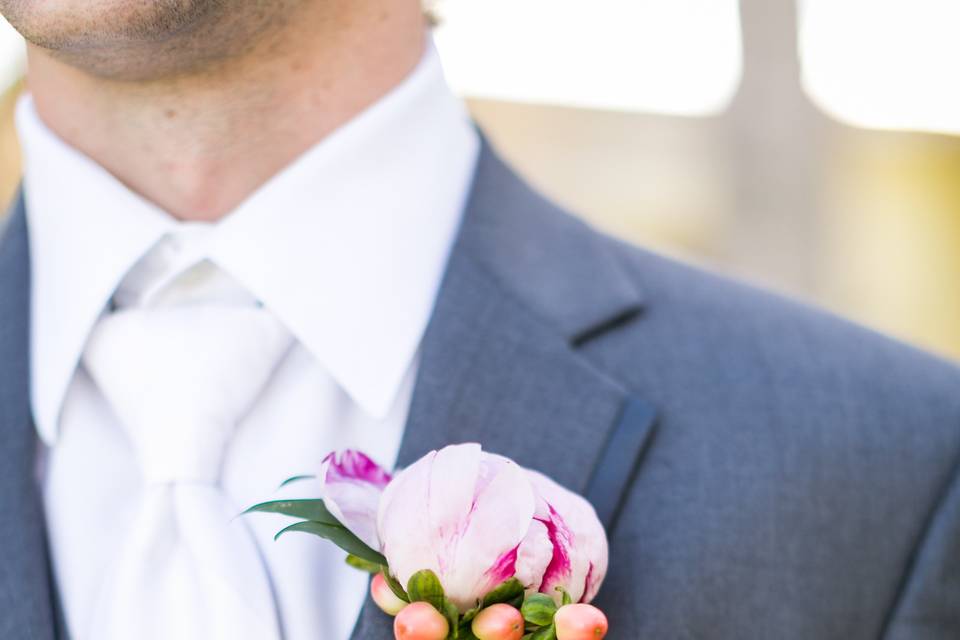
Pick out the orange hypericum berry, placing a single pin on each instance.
(420, 621)
(498, 622)
(580, 622)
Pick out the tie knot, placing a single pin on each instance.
(180, 378)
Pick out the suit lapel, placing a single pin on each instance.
(26, 609)
(525, 286)
(493, 373)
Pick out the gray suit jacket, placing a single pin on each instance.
(767, 471)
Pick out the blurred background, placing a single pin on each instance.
(808, 146)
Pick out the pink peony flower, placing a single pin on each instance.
(474, 518)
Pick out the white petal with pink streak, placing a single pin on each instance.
(402, 521)
(581, 535)
(351, 485)
(533, 556)
(460, 513)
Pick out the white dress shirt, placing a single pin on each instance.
(346, 246)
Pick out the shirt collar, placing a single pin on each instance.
(347, 245)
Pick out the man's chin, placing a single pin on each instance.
(123, 39)
(80, 24)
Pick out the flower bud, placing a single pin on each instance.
(420, 621)
(384, 596)
(498, 622)
(580, 622)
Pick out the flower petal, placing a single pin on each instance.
(581, 553)
(423, 512)
(503, 568)
(496, 524)
(351, 485)
(460, 513)
(560, 569)
(402, 524)
(533, 556)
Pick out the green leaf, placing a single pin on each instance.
(538, 609)
(338, 535)
(544, 633)
(363, 565)
(295, 479)
(314, 510)
(565, 597)
(468, 617)
(504, 592)
(466, 633)
(424, 586)
(452, 615)
(395, 586)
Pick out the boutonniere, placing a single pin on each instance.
(462, 544)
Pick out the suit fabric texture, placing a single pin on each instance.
(765, 470)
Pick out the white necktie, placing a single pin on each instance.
(179, 379)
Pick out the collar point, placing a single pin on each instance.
(47, 433)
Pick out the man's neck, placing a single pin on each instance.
(198, 145)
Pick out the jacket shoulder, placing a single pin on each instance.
(751, 363)
(744, 324)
